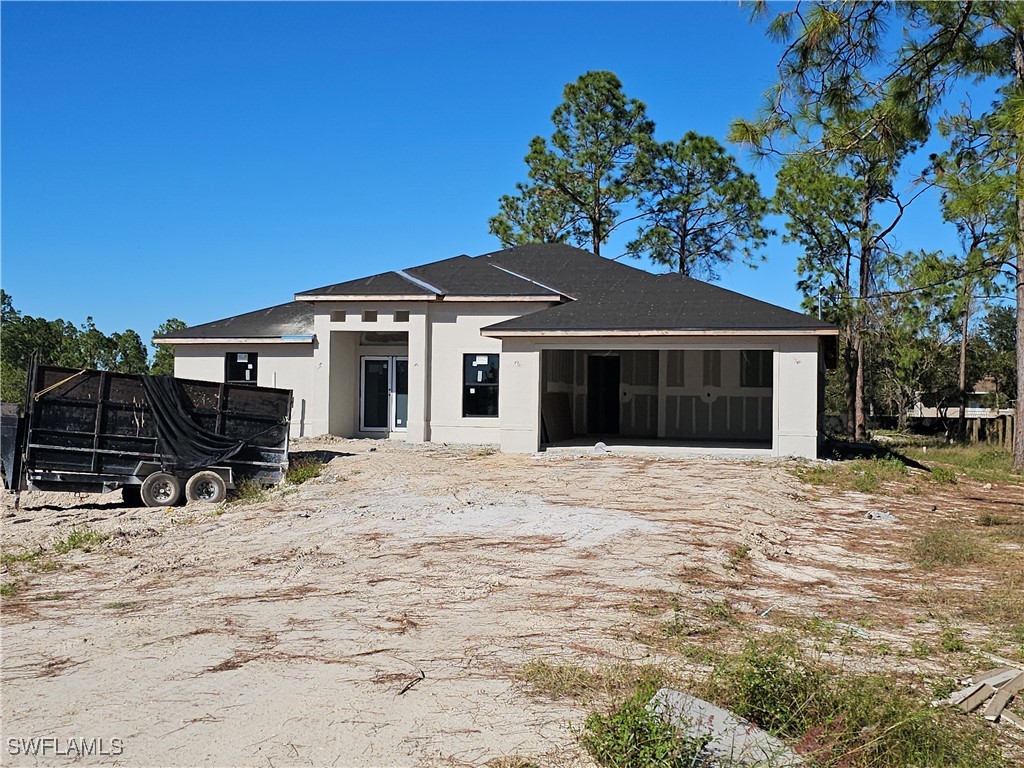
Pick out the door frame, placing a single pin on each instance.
(391, 360)
(393, 393)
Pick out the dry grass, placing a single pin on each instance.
(950, 546)
(563, 680)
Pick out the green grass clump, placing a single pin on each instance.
(248, 491)
(943, 475)
(978, 462)
(25, 555)
(9, 589)
(949, 546)
(864, 475)
(303, 469)
(847, 719)
(79, 538)
(631, 736)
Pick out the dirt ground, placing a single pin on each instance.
(377, 615)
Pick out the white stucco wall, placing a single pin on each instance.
(324, 375)
(285, 365)
(439, 334)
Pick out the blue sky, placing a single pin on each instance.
(200, 160)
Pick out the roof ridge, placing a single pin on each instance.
(528, 279)
(417, 282)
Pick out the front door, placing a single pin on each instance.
(384, 394)
(603, 394)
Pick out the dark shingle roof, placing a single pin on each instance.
(292, 319)
(384, 284)
(465, 276)
(597, 294)
(610, 296)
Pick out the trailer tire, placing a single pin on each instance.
(161, 490)
(206, 486)
(131, 495)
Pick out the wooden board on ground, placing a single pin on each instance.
(1002, 698)
(973, 701)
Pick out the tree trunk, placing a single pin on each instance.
(1018, 421)
(861, 432)
(861, 309)
(961, 428)
(850, 369)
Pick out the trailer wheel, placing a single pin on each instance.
(161, 490)
(131, 495)
(206, 486)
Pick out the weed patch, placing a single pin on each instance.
(852, 720)
(978, 462)
(9, 589)
(630, 736)
(79, 538)
(248, 491)
(25, 555)
(864, 475)
(303, 469)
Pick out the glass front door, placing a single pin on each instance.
(384, 394)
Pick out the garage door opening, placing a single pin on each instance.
(700, 398)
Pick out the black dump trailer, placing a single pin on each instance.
(158, 438)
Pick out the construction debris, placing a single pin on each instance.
(998, 687)
(881, 515)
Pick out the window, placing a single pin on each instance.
(480, 385)
(712, 367)
(338, 316)
(756, 368)
(369, 316)
(401, 315)
(240, 367)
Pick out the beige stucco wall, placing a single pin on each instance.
(284, 365)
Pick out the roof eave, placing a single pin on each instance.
(499, 333)
(298, 339)
(365, 297)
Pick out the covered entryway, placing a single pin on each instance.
(369, 384)
(705, 398)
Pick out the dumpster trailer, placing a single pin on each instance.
(157, 438)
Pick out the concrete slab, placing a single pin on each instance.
(734, 740)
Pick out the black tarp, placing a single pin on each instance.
(184, 443)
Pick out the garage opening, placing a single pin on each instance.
(704, 398)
